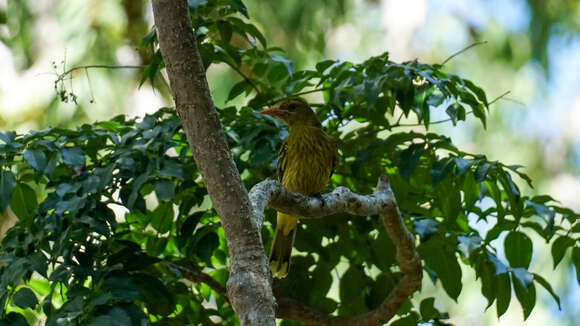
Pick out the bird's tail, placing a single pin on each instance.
(282, 245)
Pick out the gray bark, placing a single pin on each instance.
(383, 203)
(249, 286)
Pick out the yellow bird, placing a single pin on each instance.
(305, 163)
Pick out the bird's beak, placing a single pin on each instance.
(274, 111)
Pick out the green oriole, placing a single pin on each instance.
(305, 164)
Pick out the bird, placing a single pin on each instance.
(306, 161)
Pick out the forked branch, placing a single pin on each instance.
(382, 202)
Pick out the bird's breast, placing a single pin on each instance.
(310, 158)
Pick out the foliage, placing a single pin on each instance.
(114, 215)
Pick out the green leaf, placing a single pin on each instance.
(158, 299)
(165, 189)
(122, 287)
(523, 276)
(372, 88)
(526, 297)
(150, 38)
(73, 156)
(287, 63)
(187, 228)
(381, 288)
(351, 285)
(323, 65)
(36, 158)
(441, 169)
(428, 310)
(239, 88)
(559, 248)
(444, 263)
(162, 217)
(504, 292)
(518, 249)
(25, 298)
(468, 244)
(513, 194)
(410, 159)
(481, 171)
(154, 66)
(425, 228)
(119, 316)
(172, 168)
(8, 137)
(101, 321)
(7, 184)
(241, 7)
(225, 30)
(452, 112)
(155, 246)
(576, 261)
(64, 189)
(498, 266)
(13, 319)
(206, 245)
(486, 272)
(548, 287)
(24, 201)
(477, 91)
(543, 211)
(463, 165)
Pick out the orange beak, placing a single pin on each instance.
(276, 111)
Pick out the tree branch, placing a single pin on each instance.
(249, 287)
(61, 76)
(382, 202)
(194, 274)
(462, 50)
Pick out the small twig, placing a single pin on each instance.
(316, 90)
(399, 119)
(514, 101)
(312, 91)
(246, 78)
(462, 50)
(194, 274)
(499, 97)
(64, 74)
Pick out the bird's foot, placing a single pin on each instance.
(319, 197)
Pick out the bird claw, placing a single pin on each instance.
(319, 197)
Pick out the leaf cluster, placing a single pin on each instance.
(106, 213)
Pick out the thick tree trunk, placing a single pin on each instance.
(249, 286)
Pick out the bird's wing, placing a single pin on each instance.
(282, 160)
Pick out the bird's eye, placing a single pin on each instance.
(292, 107)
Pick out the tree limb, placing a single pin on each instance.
(382, 202)
(249, 286)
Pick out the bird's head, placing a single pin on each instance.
(294, 112)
